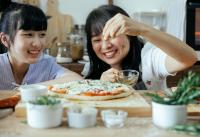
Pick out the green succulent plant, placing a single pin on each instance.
(188, 90)
(45, 100)
(193, 128)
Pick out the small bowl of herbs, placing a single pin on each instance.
(171, 110)
(44, 112)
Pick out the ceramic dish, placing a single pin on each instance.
(114, 118)
(82, 117)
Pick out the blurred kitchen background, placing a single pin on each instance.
(67, 19)
(66, 36)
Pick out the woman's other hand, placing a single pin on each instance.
(111, 75)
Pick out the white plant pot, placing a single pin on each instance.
(31, 92)
(167, 116)
(43, 116)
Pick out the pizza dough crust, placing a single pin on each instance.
(78, 87)
(93, 98)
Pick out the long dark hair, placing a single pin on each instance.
(94, 25)
(16, 16)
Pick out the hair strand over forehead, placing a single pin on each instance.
(18, 16)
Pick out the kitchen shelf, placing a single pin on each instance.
(74, 66)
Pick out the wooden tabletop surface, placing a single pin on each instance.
(135, 127)
(12, 126)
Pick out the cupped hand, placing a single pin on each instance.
(111, 75)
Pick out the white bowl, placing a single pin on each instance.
(167, 116)
(31, 92)
(44, 116)
(114, 118)
(83, 118)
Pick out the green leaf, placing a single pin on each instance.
(45, 100)
(188, 90)
(188, 128)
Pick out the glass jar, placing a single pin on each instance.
(63, 55)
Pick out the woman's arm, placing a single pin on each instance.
(66, 77)
(179, 55)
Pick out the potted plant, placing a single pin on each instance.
(168, 111)
(44, 112)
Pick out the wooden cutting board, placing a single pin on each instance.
(59, 25)
(193, 109)
(134, 104)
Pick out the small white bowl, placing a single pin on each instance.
(82, 117)
(167, 116)
(44, 116)
(31, 92)
(114, 118)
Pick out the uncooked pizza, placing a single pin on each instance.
(90, 90)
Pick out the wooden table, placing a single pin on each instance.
(13, 126)
(135, 127)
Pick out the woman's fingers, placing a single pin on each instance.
(114, 73)
(111, 27)
(110, 75)
(115, 26)
(106, 29)
(121, 25)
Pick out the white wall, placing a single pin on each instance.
(141, 5)
(79, 9)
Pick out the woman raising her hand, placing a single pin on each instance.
(113, 45)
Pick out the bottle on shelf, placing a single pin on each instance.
(83, 35)
(76, 43)
(76, 48)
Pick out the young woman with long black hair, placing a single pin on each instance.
(113, 45)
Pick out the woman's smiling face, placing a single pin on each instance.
(111, 51)
(28, 46)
